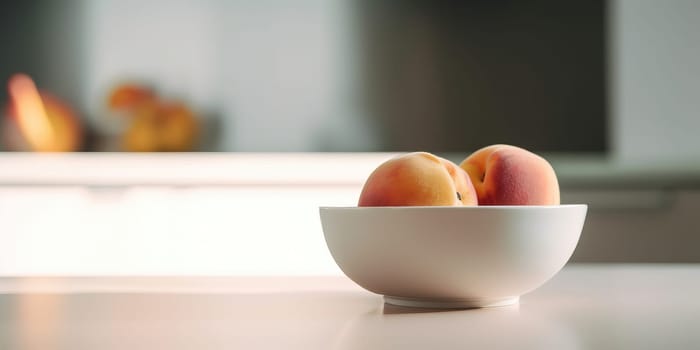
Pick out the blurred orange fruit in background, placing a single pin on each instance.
(153, 125)
(38, 120)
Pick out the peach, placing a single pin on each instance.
(178, 130)
(141, 134)
(509, 175)
(38, 120)
(161, 126)
(418, 179)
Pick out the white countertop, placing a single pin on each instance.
(583, 307)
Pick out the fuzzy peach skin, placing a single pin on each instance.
(509, 175)
(418, 179)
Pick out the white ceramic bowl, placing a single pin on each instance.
(452, 257)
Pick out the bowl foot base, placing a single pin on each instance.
(450, 303)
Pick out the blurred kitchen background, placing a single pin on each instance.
(301, 100)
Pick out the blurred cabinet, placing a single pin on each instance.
(649, 225)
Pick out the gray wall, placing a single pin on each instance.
(276, 72)
(655, 123)
(45, 39)
(655, 77)
(248, 61)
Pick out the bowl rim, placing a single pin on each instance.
(456, 207)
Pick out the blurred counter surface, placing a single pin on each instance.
(598, 306)
(125, 169)
(641, 212)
